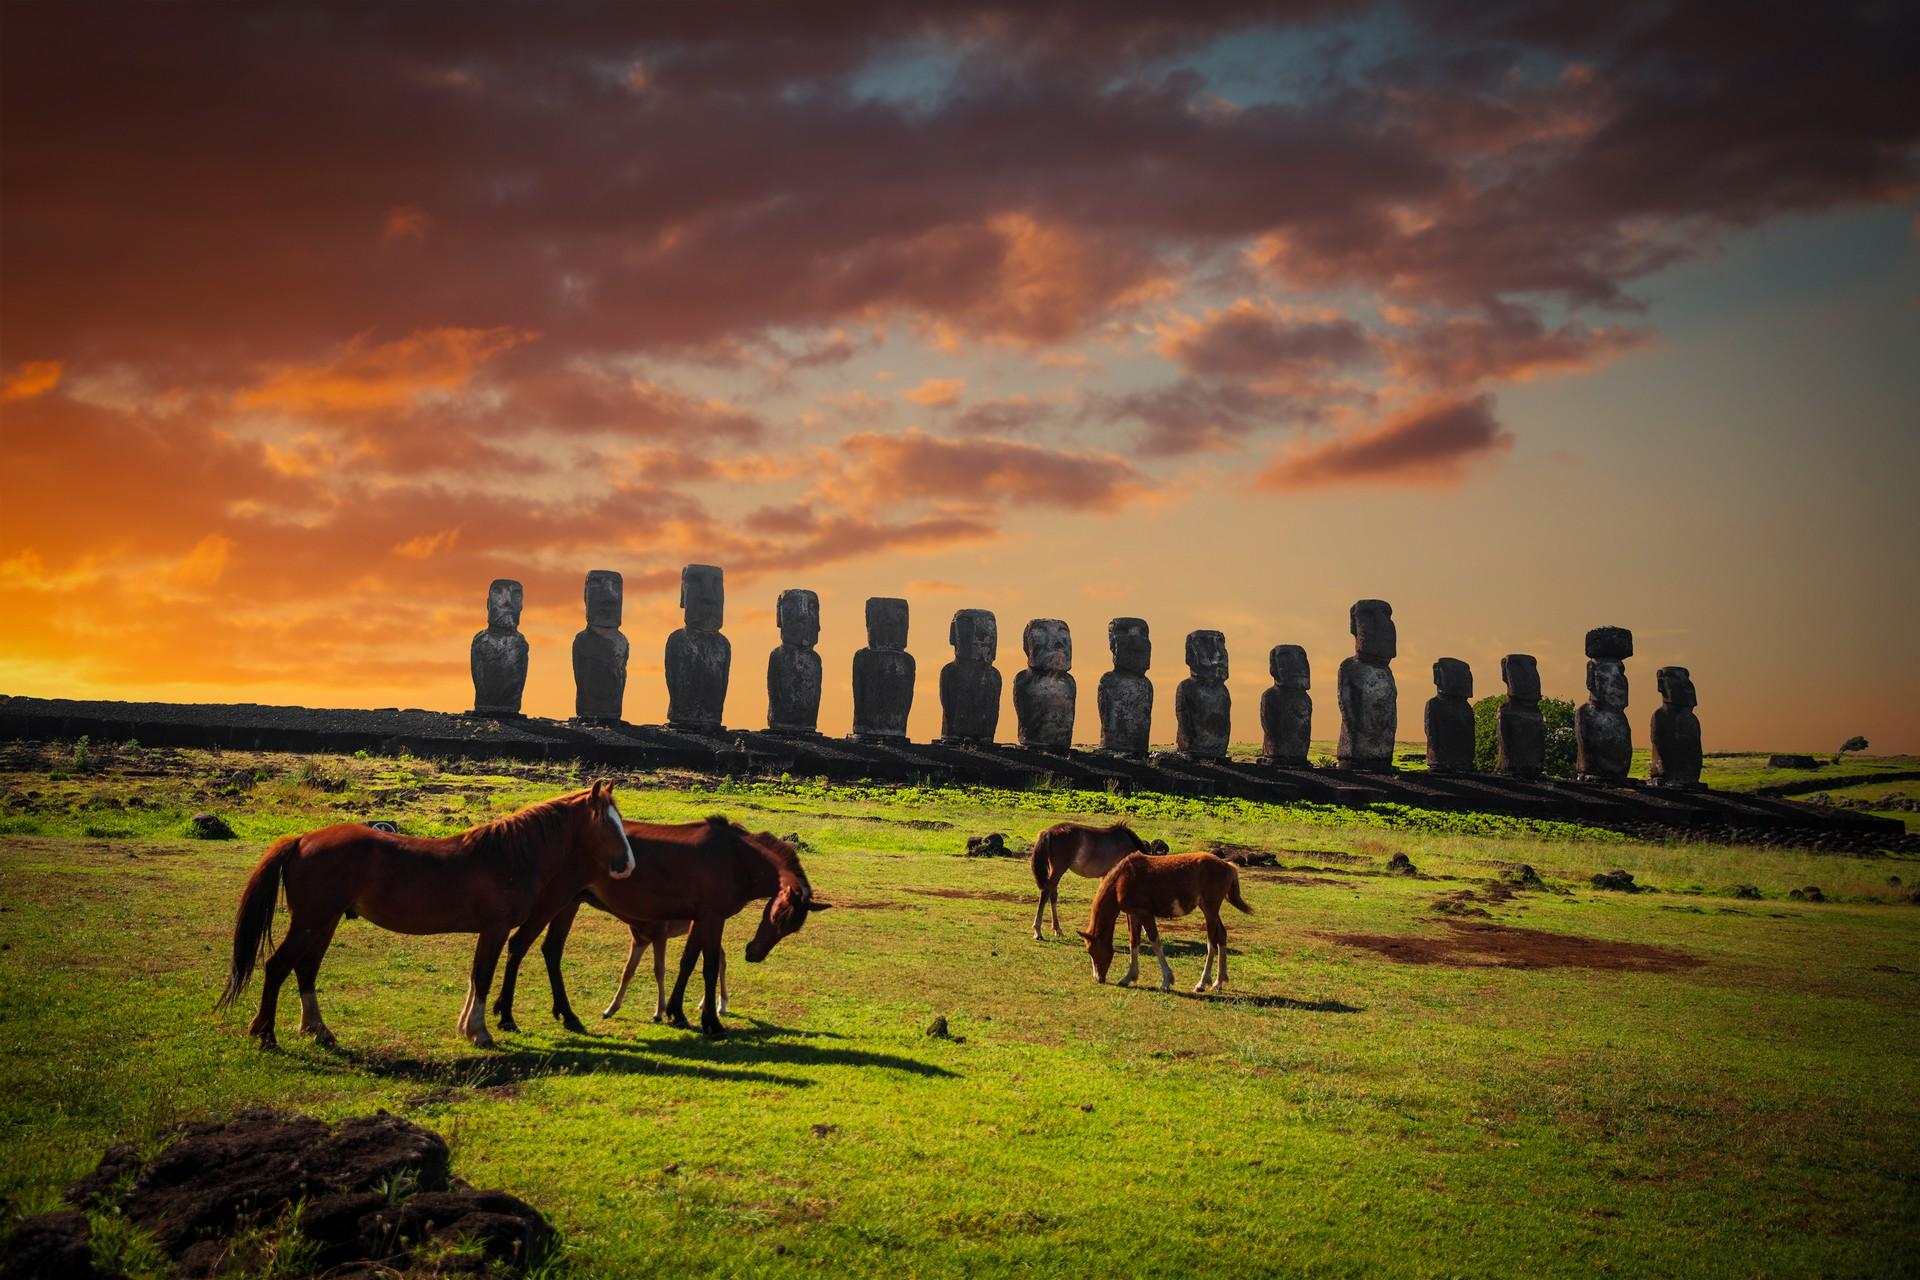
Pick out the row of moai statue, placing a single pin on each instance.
(699, 659)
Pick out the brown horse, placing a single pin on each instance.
(654, 933)
(1164, 888)
(1087, 851)
(698, 871)
(516, 870)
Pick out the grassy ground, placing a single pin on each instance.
(1740, 1100)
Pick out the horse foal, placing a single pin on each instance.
(1083, 850)
(1163, 888)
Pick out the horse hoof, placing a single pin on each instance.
(508, 1024)
(714, 1031)
(609, 1011)
(324, 1038)
(656, 1018)
(482, 1041)
(574, 1025)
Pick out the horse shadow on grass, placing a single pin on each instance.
(512, 1067)
(766, 1043)
(1258, 1001)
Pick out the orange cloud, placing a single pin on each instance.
(33, 378)
(913, 464)
(392, 374)
(1427, 446)
(427, 545)
(936, 392)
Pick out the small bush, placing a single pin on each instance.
(209, 826)
(82, 755)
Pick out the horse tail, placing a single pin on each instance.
(1233, 891)
(253, 924)
(1039, 860)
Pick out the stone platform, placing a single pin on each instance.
(252, 727)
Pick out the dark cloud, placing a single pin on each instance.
(1247, 341)
(1428, 446)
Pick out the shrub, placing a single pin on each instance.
(1559, 720)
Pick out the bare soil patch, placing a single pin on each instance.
(1472, 944)
(1261, 875)
(976, 895)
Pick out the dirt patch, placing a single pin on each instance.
(1260, 875)
(1471, 944)
(1329, 855)
(849, 904)
(976, 895)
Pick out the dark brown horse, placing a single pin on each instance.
(514, 871)
(1085, 850)
(1163, 888)
(699, 871)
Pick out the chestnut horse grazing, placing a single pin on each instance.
(699, 871)
(654, 933)
(1163, 888)
(514, 871)
(1087, 851)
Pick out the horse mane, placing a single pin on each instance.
(519, 837)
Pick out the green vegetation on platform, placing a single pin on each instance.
(1677, 1082)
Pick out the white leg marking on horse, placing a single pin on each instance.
(723, 983)
(1166, 970)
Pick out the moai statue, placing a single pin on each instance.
(698, 656)
(1676, 733)
(1286, 709)
(1369, 701)
(499, 654)
(1449, 718)
(1126, 695)
(1603, 741)
(1044, 693)
(793, 670)
(1521, 731)
(1202, 707)
(883, 674)
(969, 685)
(600, 653)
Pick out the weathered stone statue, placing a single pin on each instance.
(1286, 709)
(1126, 695)
(883, 674)
(698, 656)
(1202, 707)
(1369, 701)
(600, 653)
(1449, 718)
(1044, 692)
(1603, 741)
(1676, 733)
(969, 685)
(793, 670)
(498, 656)
(1521, 732)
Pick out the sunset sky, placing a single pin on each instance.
(1524, 317)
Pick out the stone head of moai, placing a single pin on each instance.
(1207, 655)
(1048, 645)
(604, 590)
(504, 598)
(1676, 687)
(1131, 644)
(886, 623)
(1288, 664)
(703, 594)
(1374, 637)
(1452, 678)
(1609, 644)
(798, 612)
(1522, 676)
(1607, 684)
(975, 635)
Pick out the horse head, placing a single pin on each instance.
(788, 908)
(1100, 947)
(607, 830)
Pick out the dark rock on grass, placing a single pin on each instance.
(1241, 856)
(991, 845)
(1525, 877)
(54, 1246)
(1750, 892)
(1810, 893)
(373, 1187)
(1401, 865)
(209, 826)
(1619, 881)
(938, 1029)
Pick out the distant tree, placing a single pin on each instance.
(1855, 743)
(1558, 716)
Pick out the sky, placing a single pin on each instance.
(1526, 318)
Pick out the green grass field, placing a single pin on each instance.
(1671, 1083)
